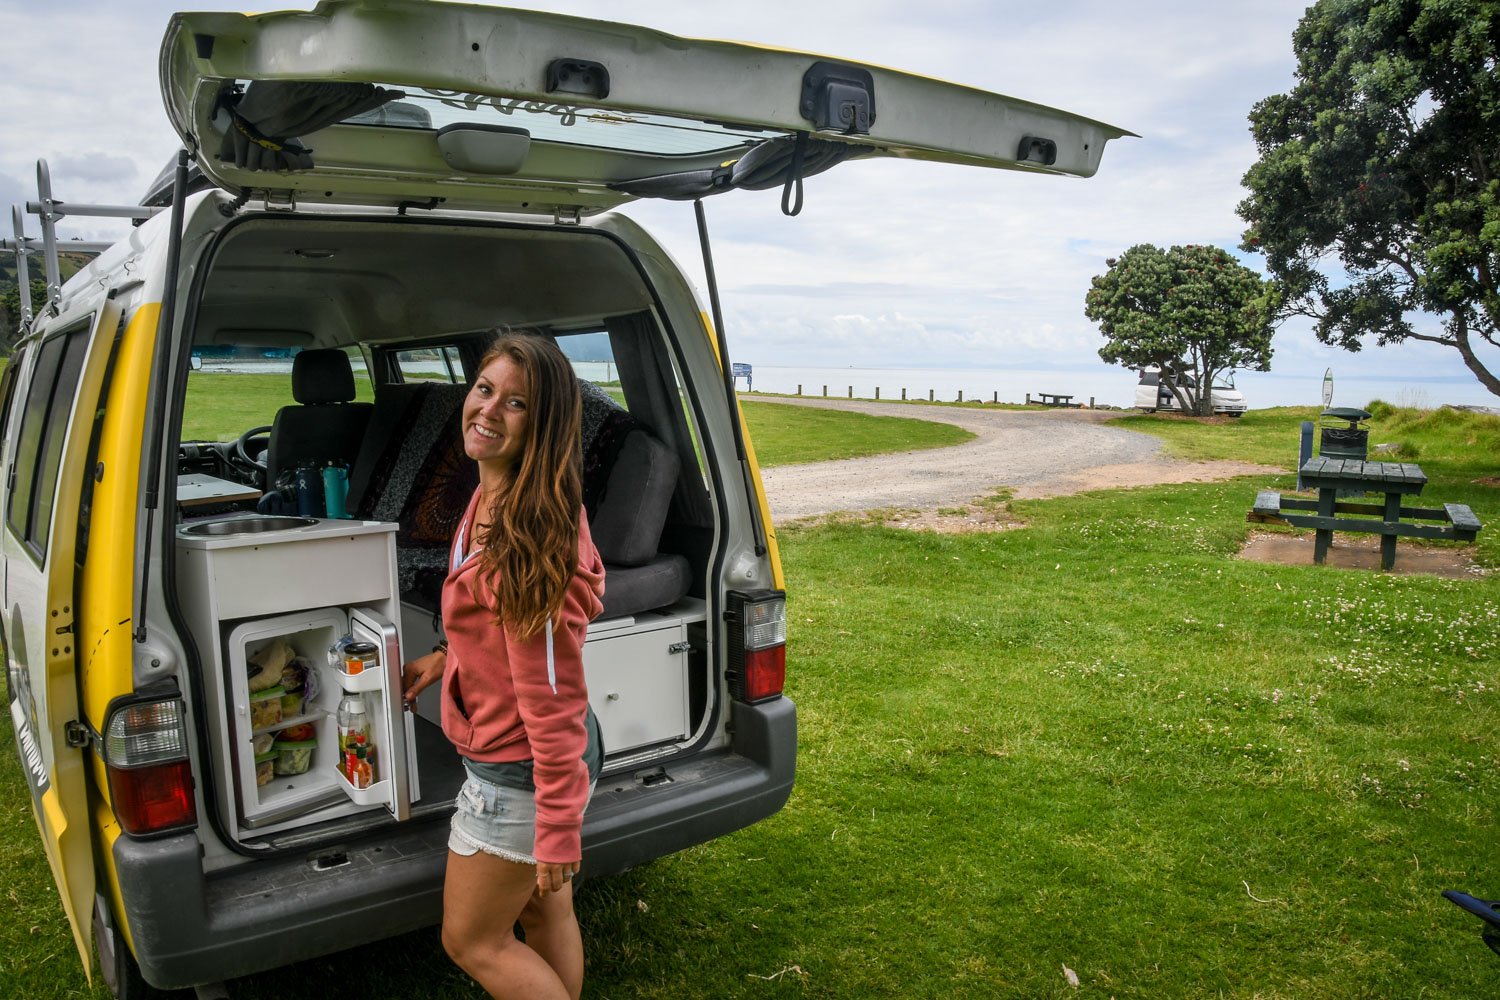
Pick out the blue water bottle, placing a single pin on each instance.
(309, 491)
(335, 490)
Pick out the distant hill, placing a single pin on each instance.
(69, 262)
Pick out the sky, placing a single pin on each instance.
(891, 263)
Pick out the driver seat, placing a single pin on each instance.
(325, 425)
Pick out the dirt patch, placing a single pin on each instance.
(1362, 552)
(1126, 475)
(973, 518)
(1493, 481)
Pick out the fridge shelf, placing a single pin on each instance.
(291, 720)
(375, 795)
(368, 680)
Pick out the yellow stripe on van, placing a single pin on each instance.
(106, 585)
(773, 549)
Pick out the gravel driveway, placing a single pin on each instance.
(1035, 453)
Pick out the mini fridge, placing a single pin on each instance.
(286, 796)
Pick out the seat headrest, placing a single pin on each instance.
(322, 376)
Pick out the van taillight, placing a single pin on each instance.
(757, 644)
(150, 777)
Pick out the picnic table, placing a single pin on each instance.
(1397, 480)
(1054, 399)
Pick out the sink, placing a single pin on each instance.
(253, 525)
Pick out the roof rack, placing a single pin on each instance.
(50, 210)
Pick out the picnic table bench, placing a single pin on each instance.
(1397, 480)
(1055, 399)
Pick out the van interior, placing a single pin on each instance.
(365, 333)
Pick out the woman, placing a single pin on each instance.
(524, 581)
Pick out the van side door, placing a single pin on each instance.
(55, 413)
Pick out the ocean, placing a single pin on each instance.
(1104, 386)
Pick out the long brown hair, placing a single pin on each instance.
(530, 552)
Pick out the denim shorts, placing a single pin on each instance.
(495, 819)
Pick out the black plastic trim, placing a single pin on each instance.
(583, 77)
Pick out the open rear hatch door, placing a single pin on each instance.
(384, 102)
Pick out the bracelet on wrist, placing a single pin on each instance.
(441, 647)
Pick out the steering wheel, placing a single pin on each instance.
(251, 447)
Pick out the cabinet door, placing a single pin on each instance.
(638, 687)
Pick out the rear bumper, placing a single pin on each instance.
(189, 928)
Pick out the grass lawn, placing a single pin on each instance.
(1097, 743)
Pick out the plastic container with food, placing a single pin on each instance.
(294, 758)
(265, 767)
(291, 704)
(262, 743)
(265, 707)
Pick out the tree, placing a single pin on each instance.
(1193, 312)
(1386, 155)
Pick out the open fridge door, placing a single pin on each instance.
(390, 715)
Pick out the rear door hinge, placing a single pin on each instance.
(570, 215)
(280, 201)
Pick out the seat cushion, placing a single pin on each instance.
(419, 477)
(631, 507)
(630, 590)
(317, 435)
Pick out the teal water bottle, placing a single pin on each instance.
(335, 490)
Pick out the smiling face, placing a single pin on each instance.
(496, 418)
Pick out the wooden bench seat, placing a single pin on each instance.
(1464, 521)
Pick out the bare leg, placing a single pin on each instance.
(483, 896)
(552, 932)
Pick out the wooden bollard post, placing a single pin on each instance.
(1091, 402)
(851, 392)
(1028, 399)
(903, 395)
(929, 395)
(960, 395)
(877, 393)
(996, 397)
(799, 388)
(825, 392)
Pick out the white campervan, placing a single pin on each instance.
(367, 190)
(1151, 394)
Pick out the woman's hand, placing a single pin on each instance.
(550, 875)
(420, 674)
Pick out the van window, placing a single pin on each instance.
(593, 360)
(8, 390)
(430, 364)
(44, 425)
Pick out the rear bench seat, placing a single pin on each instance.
(412, 469)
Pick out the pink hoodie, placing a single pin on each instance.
(507, 700)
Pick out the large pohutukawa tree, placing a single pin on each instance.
(1192, 312)
(1386, 157)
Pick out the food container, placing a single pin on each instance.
(294, 758)
(359, 657)
(262, 743)
(265, 707)
(265, 767)
(291, 704)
